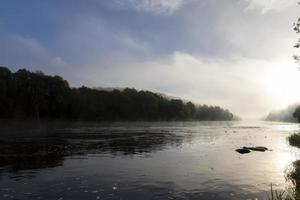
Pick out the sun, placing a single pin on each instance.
(282, 82)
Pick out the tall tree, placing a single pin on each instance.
(297, 45)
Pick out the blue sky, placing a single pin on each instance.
(225, 53)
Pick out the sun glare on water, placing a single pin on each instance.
(284, 160)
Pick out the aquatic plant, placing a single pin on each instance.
(294, 140)
(294, 176)
(280, 195)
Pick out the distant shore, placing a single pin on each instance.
(34, 95)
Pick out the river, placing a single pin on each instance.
(143, 160)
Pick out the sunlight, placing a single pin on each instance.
(282, 83)
(284, 160)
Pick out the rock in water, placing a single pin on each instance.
(249, 149)
(243, 150)
(265, 148)
(262, 149)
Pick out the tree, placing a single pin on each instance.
(6, 103)
(35, 95)
(296, 114)
(297, 45)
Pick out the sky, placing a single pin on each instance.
(233, 53)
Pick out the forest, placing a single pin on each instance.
(283, 115)
(34, 95)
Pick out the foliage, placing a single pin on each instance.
(29, 95)
(297, 45)
(293, 175)
(283, 115)
(296, 114)
(279, 195)
(294, 140)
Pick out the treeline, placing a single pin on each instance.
(283, 115)
(296, 114)
(34, 95)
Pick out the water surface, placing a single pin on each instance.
(144, 160)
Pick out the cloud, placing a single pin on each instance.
(23, 52)
(270, 5)
(249, 87)
(92, 40)
(154, 6)
(251, 34)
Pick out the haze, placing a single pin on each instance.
(233, 53)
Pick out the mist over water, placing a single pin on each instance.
(142, 99)
(143, 160)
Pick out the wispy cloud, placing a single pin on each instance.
(270, 5)
(154, 6)
(17, 52)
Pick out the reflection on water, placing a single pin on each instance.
(167, 160)
(49, 150)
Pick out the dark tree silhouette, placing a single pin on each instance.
(297, 45)
(29, 95)
(296, 114)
